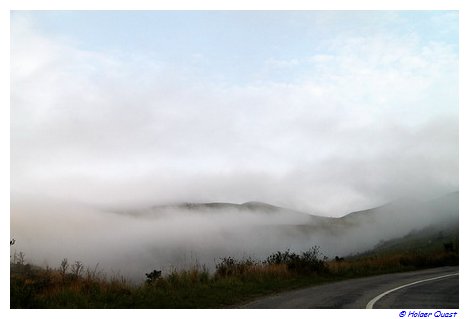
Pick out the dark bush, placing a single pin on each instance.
(230, 266)
(153, 276)
(307, 262)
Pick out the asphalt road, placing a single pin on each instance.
(415, 290)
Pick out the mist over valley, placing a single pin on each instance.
(180, 236)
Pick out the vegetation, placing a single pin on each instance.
(425, 248)
(233, 282)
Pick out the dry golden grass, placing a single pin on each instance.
(233, 281)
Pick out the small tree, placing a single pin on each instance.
(64, 267)
(77, 269)
(19, 259)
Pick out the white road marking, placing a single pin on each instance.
(375, 299)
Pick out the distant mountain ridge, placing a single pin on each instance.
(443, 208)
(267, 224)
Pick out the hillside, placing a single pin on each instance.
(352, 233)
(441, 209)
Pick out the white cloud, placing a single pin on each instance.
(277, 63)
(347, 134)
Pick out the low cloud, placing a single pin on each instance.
(354, 127)
(133, 241)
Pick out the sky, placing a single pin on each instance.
(326, 112)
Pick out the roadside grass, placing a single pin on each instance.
(425, 248)
(233, 282)
(34, 287)
(392, 262)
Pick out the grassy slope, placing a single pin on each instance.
(32, 287)
(235, 282)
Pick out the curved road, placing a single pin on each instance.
(436, 288)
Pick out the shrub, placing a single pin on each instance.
(153, 276)
(307, 262)
(77, 269)
(231, 267)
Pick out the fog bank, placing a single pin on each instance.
(132, 242)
